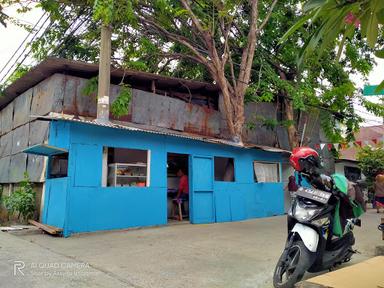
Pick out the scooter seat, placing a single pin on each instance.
(337, 243)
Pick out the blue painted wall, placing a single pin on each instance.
(90, 207)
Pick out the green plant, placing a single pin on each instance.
(90, 86)
(371, 161)
(120, 106)
(22, 200)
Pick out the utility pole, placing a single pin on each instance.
(104, 75)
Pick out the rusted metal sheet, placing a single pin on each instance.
(51, 66)
(156, 110)
(48, 95)
(18, 167)
(6, 144)
(36, 168)
(201, 120)
(254, 115)
(22, 108)
(20, 137)
(282, 136)
(78, 104)
(4, 169)
(38, 132)
(75, 102)
(7, 118)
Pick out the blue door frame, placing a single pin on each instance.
(202, 204)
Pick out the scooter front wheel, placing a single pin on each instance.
(292, 265)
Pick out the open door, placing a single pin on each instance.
(202, 199)
(54, 198)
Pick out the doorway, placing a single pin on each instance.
(178, 188)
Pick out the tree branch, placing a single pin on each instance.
(194, 19)
(177, 38)
(266, 19)
(249, 50)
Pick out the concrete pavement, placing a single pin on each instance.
(241, 254)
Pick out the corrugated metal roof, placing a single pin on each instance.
(156, 130)
(51, 66)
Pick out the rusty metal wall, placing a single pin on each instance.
(36, 166)
(156, 110)
(22, 108)
(19, 130)
(75, 103)
(7, 118)
(146, 108)
(20, 138)
(38, 132)
(6, 145)
(5, 163)
(17, 167)
(259, 134)
(48, 95)
(202, 120)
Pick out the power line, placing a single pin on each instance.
(25, 48)
(71, 33)
(22, 43)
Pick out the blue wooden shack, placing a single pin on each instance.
(121, 174)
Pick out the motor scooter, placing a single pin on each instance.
(312, 245)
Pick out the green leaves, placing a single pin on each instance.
(299, 24)
(90, 87)
(380, 87)
(22, 200)
(371, 161)
(103, 10)
(120, 107)
(372, 27)
(379, 53)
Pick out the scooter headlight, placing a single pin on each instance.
(304, 213)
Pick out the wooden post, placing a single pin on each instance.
(104, 75)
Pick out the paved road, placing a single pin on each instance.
(241, 254)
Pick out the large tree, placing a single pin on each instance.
(216, 41)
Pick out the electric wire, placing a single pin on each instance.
(22, 43)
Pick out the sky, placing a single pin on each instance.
(13, 36)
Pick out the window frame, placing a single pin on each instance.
(279, 166)
(50, 161)
(234, 169)
(105, 167)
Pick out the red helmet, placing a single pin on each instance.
(303, 158)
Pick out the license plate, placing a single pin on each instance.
(314, 194)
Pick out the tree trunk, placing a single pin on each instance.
(293, 138)
(233, 108)
(289, 115)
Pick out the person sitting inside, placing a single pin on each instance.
(182, 194)
(183, 191)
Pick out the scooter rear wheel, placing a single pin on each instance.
(292, 265)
